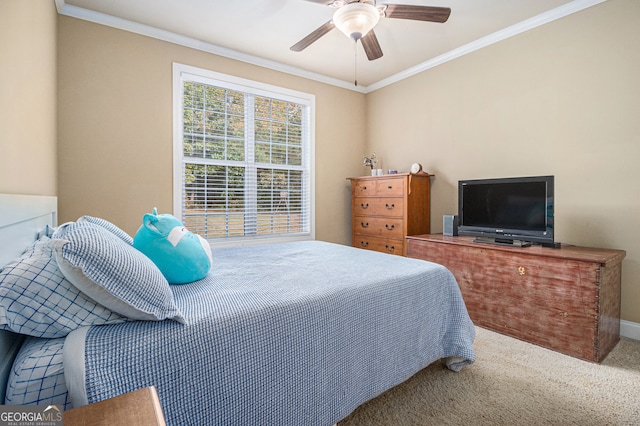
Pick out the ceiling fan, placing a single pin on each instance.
(357, 18)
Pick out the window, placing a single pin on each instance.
(243, 158)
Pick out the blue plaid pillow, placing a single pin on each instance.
(37, 375)
(113, 273)
(37, 300)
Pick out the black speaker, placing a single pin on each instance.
(449, 225)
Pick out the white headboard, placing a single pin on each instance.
(22, 219)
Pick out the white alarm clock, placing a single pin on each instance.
(416, 168)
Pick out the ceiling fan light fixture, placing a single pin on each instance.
(355, 20)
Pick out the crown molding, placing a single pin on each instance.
(519, 28)
(171, 37)
(145, 30)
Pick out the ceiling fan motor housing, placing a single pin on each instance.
(355, 20)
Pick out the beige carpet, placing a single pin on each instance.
(515, 383)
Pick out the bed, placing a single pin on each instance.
(282, 334)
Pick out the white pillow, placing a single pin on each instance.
(113, 273)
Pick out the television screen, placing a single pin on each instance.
(507, 208)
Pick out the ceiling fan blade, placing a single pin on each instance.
(315, 35)
(371, 46)
(417, 13)
(327, 2)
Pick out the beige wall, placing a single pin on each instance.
(563, 99)
(28, 97)
(115, 127)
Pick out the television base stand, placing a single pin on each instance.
(502, 242)
(552, 245)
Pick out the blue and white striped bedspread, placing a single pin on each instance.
(287, 334)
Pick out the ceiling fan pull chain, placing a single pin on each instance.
(355, 62)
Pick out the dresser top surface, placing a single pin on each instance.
(395, 175)
(607, 257)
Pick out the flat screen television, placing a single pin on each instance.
(515, 211)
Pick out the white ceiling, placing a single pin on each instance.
(261, 32)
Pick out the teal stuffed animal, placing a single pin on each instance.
(181, 255)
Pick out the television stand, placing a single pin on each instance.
(502, 242)
(566, 299)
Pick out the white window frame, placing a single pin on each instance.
(180, 72)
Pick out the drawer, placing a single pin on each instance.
(390, 187)
(386, 187)
(385, 227)
(380, 206)
(383, 245)
(364, 187)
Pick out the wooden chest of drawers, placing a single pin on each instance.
(387, 208)
(565, 299)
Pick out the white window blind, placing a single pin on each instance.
(243, 158)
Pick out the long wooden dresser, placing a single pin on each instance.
(385, 209)
(565, 299)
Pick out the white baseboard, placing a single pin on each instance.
(630, 329)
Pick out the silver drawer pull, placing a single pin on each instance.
(390, 207)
